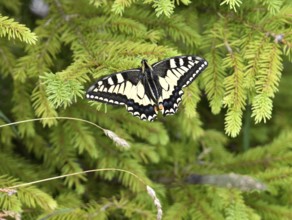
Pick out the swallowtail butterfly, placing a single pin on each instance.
(146, 90)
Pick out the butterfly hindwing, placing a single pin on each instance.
(170, 105)
(174, 74)
(124, 88)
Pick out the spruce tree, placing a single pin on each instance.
(226, 154)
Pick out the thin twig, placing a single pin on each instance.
(45, 118)
(118, 140)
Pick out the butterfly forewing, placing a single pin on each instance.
(174, 74)
(124, 88)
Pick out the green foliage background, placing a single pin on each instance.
(236, 118)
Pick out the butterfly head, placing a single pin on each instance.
(145, 65)
(143, 61)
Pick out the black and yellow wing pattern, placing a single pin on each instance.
(146, 90)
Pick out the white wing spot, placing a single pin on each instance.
(116, 89)
(172, 63)
(190, 58)
(184, 68)
(205, 63)
(132, 92)
(181, 71)
(169, 80)
(95, 90)
(110, 81)
(111, 89)
(164, 84)
(120, 78)
(128, 87)
(130, 108)
(105, 99)
(181, 61)
(176, 72)
(196, 61)
(146, 100)
(99, 83)
(136, 113)
(122, 88)
(140, 90)
(171, 75)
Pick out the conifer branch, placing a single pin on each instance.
(235, 94)
(14, 30)
(119, 6)
(43, 107)
(7, 60)
(271, 210)
(213, 77)
(98, 3)
(165, 7)
(247, 45)
(273, 6)
(191, 98)
(267, 83)
(61, 93)
(253, 55)
(232, 3)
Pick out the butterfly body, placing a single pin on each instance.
(146, 90)
(151, 82)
